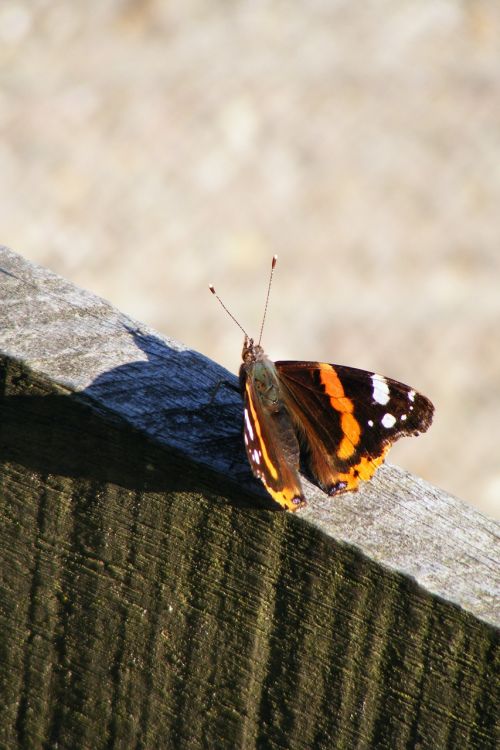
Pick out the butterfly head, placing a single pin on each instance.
(251, 352)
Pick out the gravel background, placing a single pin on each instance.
(149, 148)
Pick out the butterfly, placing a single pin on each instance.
(340, 421)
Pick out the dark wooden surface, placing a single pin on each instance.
(151, 596)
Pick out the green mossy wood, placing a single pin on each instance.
(152, 597)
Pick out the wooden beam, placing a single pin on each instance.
(151, 595)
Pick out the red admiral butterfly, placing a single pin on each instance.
(344, 419)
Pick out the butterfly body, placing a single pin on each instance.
(344, 420)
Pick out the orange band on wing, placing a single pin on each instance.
(352, 432)
(364, 470)
(341, 403)
(288, 497)
(334, 388)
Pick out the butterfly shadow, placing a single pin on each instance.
(168, 422)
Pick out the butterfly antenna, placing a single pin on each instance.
(273, 266)
(212, 289)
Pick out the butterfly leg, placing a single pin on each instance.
(228, 383)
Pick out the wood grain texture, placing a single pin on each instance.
(152, 597)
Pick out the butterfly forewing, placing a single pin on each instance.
(349, 418)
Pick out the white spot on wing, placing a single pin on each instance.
(256, 456)
(249, 425)
(411, 395)
(370, 423)
(388, 420)
(380, 389)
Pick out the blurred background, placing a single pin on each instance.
(150, 148)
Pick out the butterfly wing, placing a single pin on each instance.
(271, 445)
(349, 418)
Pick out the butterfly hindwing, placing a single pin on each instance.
(349, 418)
(272, 447)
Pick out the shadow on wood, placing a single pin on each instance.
(67, 434)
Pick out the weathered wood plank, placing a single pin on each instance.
(150, 595)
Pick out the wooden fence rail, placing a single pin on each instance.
(151, 596)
